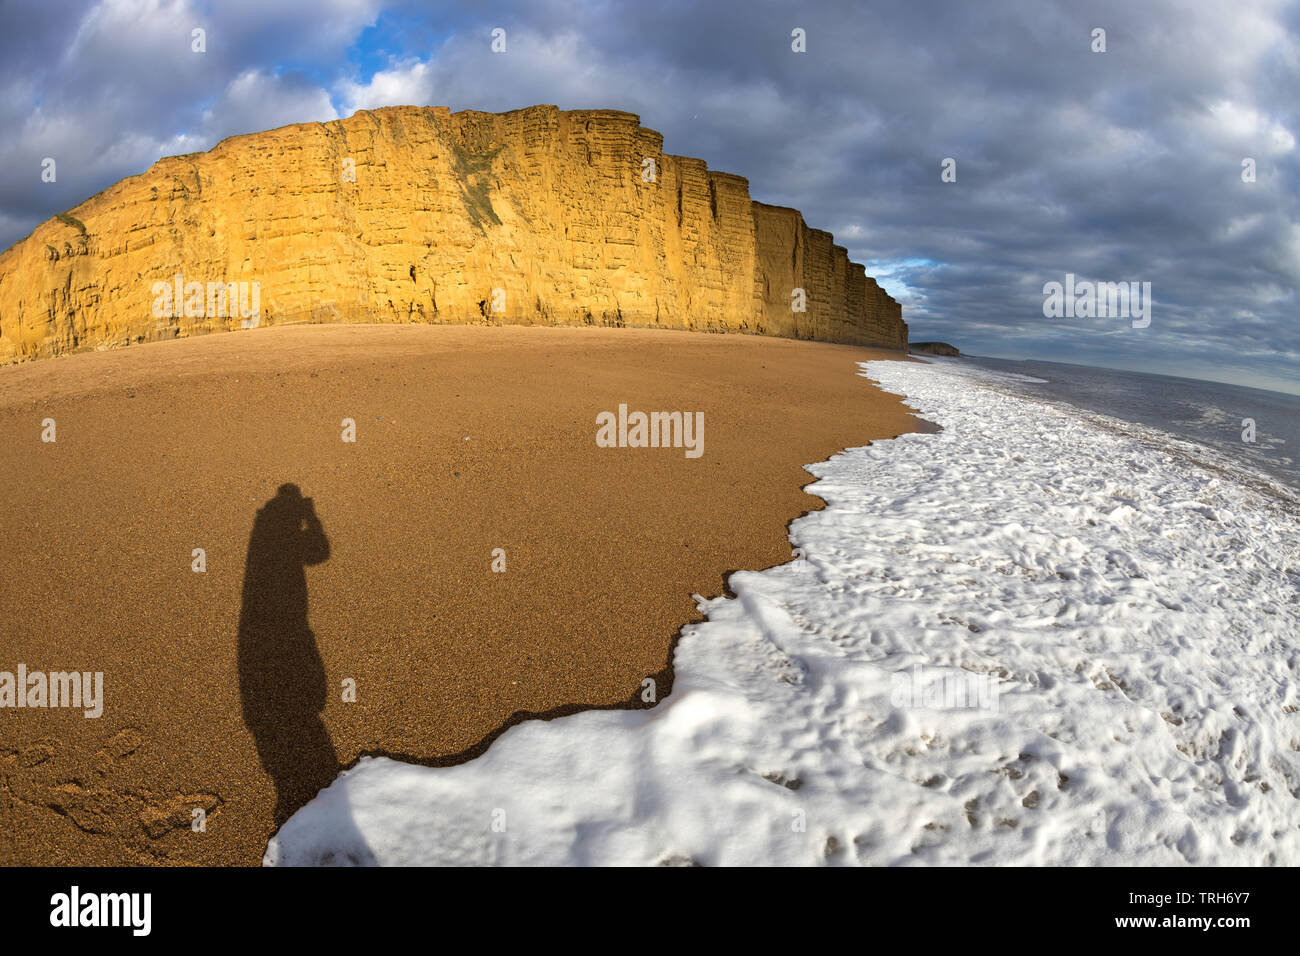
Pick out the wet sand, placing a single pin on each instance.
(467, 440)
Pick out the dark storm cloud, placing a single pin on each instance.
(1123, 165)
(105, 89)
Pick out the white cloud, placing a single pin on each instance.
(1246, 125)
(409, 83)
(256, 100)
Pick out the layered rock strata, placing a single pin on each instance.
(405, 214)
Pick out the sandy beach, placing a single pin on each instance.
(467, 440)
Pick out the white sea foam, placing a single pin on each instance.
(1138, 613)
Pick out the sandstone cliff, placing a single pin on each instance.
(409, 214)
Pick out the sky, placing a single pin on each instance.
(1122, 165)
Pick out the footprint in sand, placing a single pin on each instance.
(93, 803)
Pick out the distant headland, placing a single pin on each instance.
(934, 348)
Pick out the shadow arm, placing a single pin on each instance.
(315, 545)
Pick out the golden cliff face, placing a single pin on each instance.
(409, 214)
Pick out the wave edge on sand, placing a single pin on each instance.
(1118, 621)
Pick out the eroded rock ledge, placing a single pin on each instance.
(552, 208)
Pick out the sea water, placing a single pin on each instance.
(1210, 413)
(1041, 635)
